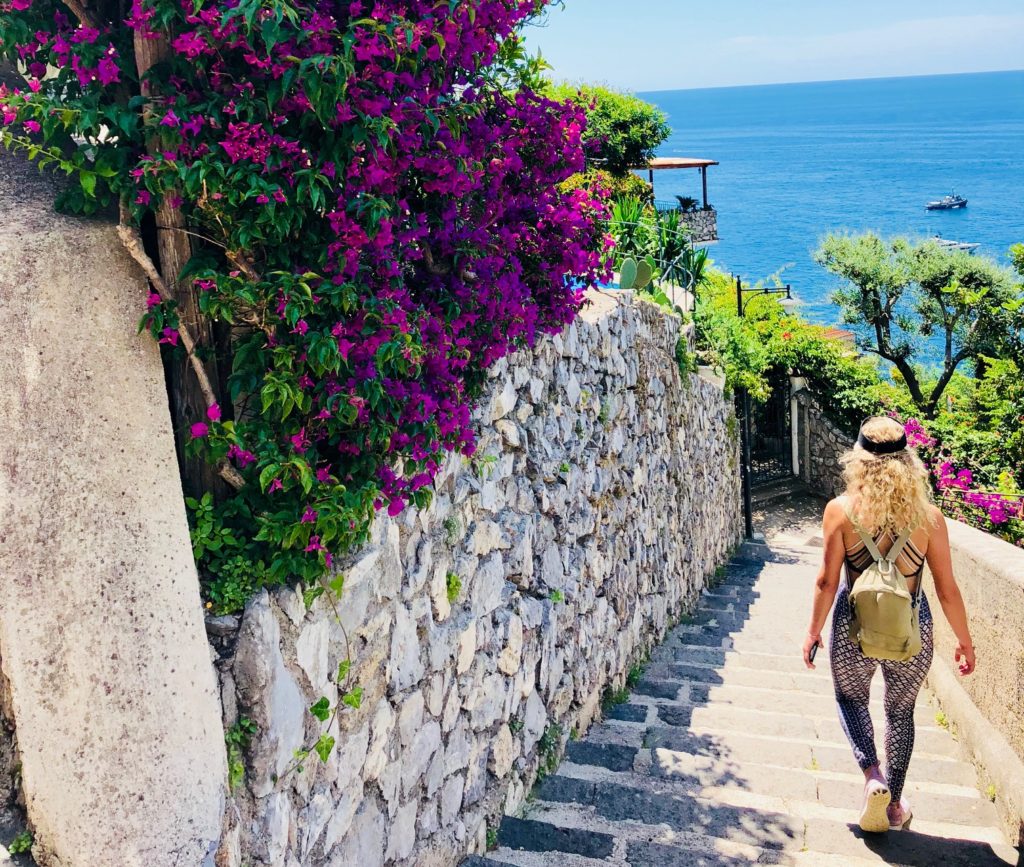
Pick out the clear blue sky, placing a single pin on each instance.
(668, 44)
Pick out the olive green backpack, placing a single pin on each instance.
(883, 612)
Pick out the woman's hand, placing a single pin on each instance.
(812, 640)
(965, 658)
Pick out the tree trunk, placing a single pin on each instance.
(174, 248)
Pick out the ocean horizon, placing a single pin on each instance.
(801, 160)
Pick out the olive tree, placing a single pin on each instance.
(914, 304)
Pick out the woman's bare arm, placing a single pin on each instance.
(827, 583)
(940, 563)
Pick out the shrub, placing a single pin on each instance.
(623, 131)
(610, 186)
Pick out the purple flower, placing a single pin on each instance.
(152, 300)
(199, 430)
(243, 457)
(213, 412)
(32, 125)
(107, 71)
(309, 516)
(170, 336)
(275, 485)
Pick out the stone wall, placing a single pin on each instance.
(702, 225)
(821, 444)
(604, 493)
(987, 708)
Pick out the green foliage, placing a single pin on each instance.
(492, 839)
(612, 697)
(452, 528)
(237, 740)
(20, 844)
(623, 131)
(516, 725)
(610, 186)
(767, 338)
(556, 596)
(454, 585)
(898, 295)
(547, 748)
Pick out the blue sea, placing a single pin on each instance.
(801, 160)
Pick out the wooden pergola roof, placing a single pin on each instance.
(678, 163)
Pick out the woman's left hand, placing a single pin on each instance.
(809, 642)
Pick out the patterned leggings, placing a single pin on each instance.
(851, 675)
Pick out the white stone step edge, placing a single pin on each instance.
(800, 811)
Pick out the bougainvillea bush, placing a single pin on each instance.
(371, 192)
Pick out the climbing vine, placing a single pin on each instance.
(369, 197)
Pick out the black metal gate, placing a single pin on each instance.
(771, 435)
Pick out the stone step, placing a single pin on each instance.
(525, 858)
(768, 822)
(706, 770)
(676, 708)
(688, 775)
(739, 747)
(544, 837)
(630, 837)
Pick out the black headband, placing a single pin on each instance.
(889, 447)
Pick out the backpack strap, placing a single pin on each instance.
(872, 547)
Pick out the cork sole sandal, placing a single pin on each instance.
(873, 816)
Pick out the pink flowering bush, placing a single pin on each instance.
(1000, 512)
(372, 192)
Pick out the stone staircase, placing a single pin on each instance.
(730, 752)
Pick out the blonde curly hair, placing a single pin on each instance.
(886, 492)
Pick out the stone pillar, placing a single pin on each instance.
(796, 384)
(101, 631)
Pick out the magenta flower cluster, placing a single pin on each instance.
(956, 486)
(381, 191)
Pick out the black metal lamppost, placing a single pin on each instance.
(741, 306)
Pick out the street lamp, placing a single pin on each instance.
(787, 303)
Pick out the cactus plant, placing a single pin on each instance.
(628, 273)
(644, 275)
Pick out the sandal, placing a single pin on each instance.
(906, 816)
(873, 816)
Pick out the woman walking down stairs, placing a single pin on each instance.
(729, 752)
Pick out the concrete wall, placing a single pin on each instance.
(987, 707)
(604, 493)
(111, 690)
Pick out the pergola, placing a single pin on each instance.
(661, 163)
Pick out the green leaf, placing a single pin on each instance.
(324, 746)
(343, 669)
(353, 698)
(322, 709)
(311, 595)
